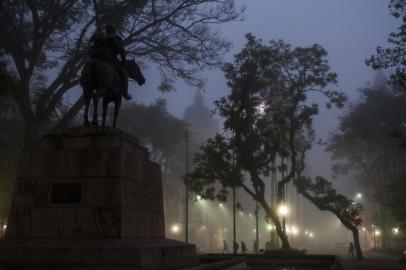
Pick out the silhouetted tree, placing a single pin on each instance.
(363, 144)
(322, 194)
(157, 129)
(264, 114)
(46, 42)
(394, 56)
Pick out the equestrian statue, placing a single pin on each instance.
(105, 76)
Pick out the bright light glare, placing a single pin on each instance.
(283, 210)
(4, 227)
(395, 230)
(377, 233)
(359, 195)
(295, 230)
(269, 227)
(364, 229)
(311, 235)
(175, 228)
(221, 205)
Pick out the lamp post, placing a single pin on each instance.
(187, 135)
(365, 234)
(256, 223)
(374, 231)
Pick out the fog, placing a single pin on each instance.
(349, 30)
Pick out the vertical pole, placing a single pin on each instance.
(187, 189)
(283, 196)
(374, 238)
(234, 225)
(274, 187)
(256, 224)
(365, 233)
(234, 195)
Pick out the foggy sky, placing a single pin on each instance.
(349, 30)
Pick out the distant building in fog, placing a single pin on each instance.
(201, 124)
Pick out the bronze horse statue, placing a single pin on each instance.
(98, 79)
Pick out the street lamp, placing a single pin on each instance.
(374, 233)
(175, 228)
(359, 195)
(283, 210)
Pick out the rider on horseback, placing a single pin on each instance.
(107, 46)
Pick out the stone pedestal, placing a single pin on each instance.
(89, 197)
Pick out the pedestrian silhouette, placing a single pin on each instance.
(255, 246)
(235, 247)
(243, 248)
(351, 250)
(225, 247)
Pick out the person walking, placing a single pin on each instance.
(243, 248)
(351, 248)
(225, 247)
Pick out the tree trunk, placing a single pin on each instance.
(271, 214)
(358, 250)
(282, 235)
(31, 133)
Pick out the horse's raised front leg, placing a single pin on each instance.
(86, 113)
(105, 106)
(95, 105)
(117, 105)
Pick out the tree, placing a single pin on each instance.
(363, 145)
(10, 141)
(321, 193)
(50, 37)
(394, 56)
(266, 114)
(157, 129)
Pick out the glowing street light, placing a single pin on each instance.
(377, 233)
(269, 227)
(359, 195)
(221, 205)
(175, 228)
(283, 210)
(295, 230)
(395, 230)
(311, 235)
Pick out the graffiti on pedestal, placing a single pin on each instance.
(106, 223)
(38, 190)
